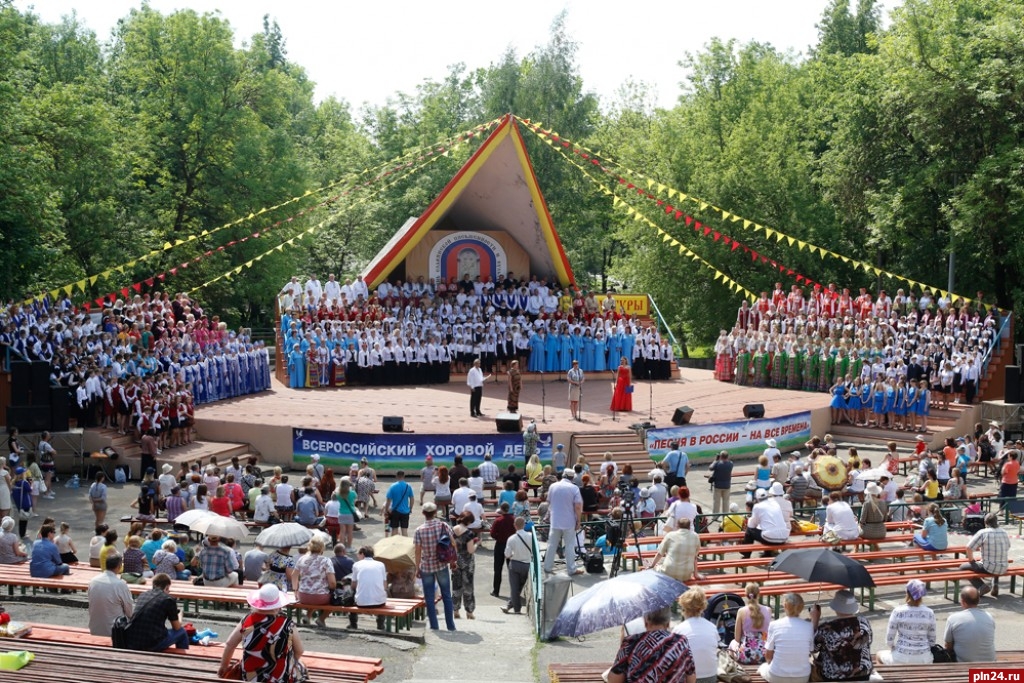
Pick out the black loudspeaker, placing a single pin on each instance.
(393, 423)
(507, 423)
(40, 383)
(1013, 393)
(682, 415)
(60, 408)
(753, 411)
(29, 419)
(21, 382)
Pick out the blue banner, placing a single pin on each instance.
(390, 452)
(739, 438)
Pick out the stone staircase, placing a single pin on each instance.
(626, 448)
(957, 420)
(129, 452)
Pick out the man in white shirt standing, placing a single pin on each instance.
(475, 381)
(565, 505)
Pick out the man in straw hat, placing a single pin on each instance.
(843, 644)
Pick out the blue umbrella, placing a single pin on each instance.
(616, 601)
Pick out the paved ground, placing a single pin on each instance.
(493, 646)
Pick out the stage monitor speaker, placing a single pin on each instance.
(393, 423)
(60, 408)
(1013, 392)
(682, 415)
(508, 423)
(40, 383)
(753, 411)
(28, 419)
(21, 382)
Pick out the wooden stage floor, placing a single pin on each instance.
(445, 408)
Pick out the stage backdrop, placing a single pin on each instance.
(390, 452)
(704, 442)
(446, 253)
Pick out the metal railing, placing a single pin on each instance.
(668, 330)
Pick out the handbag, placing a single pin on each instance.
(940, 655)
(119, 633)
(343, 596)
(729, 670)
(233, 672)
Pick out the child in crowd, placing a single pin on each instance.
(65, 546)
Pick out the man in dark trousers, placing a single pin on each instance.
(503, 528)
(721, 481)
(146, 630)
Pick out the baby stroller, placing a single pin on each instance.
(721, 611)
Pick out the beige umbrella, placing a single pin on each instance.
(396, 552)
(830, 472)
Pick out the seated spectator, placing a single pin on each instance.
(911, 631)
(789, 645)
(657, 654)
(971, 633)
(45, 556)
(842, 645)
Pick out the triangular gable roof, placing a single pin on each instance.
(496, 189)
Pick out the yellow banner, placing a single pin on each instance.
(632, 304)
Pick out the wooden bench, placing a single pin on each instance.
(397, 613)
(59, 661)
(741, 564)
(590, 672)
(322, 665)
(163, 521)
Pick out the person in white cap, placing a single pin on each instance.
(777, 494)
(766, 524)
(271, 646)
(843, 644)
(645, 504)
(772, 449)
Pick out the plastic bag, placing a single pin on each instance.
(12, 661)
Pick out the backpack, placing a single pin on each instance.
(446, 552)
(119, 633)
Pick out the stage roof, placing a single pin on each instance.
(496, 189)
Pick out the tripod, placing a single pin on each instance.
(626, 524)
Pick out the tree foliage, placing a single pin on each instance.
(896, 146)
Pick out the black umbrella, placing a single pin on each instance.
(823, 565)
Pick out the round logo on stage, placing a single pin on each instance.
(467, 253)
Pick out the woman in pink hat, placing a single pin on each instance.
(271, 646)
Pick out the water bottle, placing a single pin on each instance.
(73, 482)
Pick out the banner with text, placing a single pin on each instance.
(739, 438)
(390, 452)
(631, 304)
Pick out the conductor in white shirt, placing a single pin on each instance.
(475, 380)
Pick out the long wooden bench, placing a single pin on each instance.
(741, 564)
(397, 613)
(59, 661)
(326, 666)
(590, 672)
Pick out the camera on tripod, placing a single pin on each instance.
(626, 494)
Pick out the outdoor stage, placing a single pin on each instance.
(266, 420)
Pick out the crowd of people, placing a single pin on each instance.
(139, 365)
(884, 360)
(421, 332)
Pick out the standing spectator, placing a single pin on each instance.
(790, 642)
(475, 380)
(701, 635)
(146, 630)
(48, 463)
(994, 545)
(98, 497)
(565, 507)
(502, 529)
(428, 471)
(465, 540)
(911, 630)
(971, 633)
(313, 580)
(109, 598)
(843, 644)
(398, 505)
(430, 569)
(175, 504)
(676, 465)
(721, 482)
(1008, 475)
(655, 656)
(519, 553)
(21, 496)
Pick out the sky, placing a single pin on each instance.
(368, 51)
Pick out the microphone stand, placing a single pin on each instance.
(543, 399)
(650, 400)
(579, 404)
